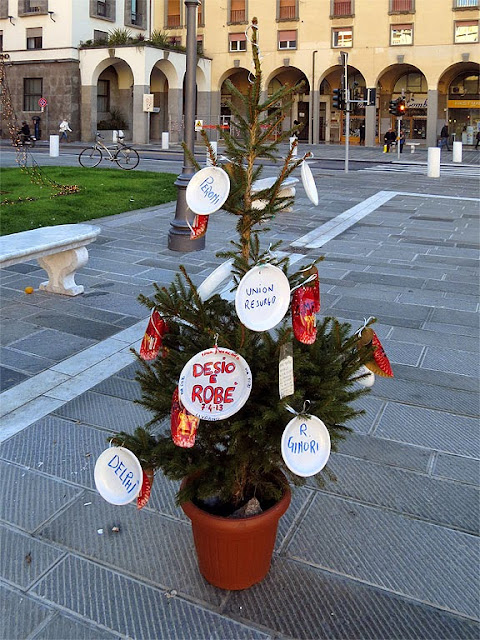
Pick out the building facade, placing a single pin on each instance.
(94, 60)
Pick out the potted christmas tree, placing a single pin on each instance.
(222, 387)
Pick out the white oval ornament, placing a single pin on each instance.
(369, 379)
(207, 190)
(309, 183)
(263, 297)
(219, 276)
(305, 445)
(215, 384)
(118, 475)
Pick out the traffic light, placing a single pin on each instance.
(400, 107)
(393, 107)
(337, 100)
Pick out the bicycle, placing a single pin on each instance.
(126, 157)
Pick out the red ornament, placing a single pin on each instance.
(152, 340)
(199, 228)
(144, 495)
(380, 363)
(305, 304)
(183, 424)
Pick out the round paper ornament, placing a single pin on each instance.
(207, 190)
(305, 445)
(263, 297)
(219, 276)
(369, 379)
(118, 475)
(215, 384)
(309, 183)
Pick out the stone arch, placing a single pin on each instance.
(458, 91)
(299, 109)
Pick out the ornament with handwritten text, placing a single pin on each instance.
(118, 475)
(305, 445)
(183, 424)
(215, 384)
(207, 190)
(263, 297)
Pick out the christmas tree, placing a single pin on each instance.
(238, 457)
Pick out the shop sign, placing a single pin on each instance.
(464, 104)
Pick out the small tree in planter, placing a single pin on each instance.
(235, 465)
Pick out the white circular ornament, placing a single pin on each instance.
(215, 384)
(309, 183)
(219, 276)
(369, 379)
(118, 475)
(207, 190)
(305, 445)
(263, 297)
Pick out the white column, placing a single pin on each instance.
(457, 151)
(433, 162)
(54, 146)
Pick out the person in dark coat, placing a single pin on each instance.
(444, 137)
(389, 138)
(362, 134)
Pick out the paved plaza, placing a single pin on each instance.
(389, 551)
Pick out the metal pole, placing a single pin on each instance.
(399, 120)
(344, 57)
(179, 234)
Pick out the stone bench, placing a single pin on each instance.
(60, 250)
(287, 190)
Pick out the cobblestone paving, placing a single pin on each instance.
(389, 551)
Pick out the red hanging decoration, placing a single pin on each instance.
(199, 228)
(144, 495)
(183, 424)
(380, 364)
(305, 304)
(152, 340)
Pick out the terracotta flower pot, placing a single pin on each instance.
(235, 553)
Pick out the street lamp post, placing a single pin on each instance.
(179, 234)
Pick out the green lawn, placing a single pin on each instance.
(103, 192)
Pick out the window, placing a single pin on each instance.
(200, 45)
(34, 38)
(287, 39)
(173, 14)
(27, 7)
(238, 12)
(3, 9)
(103, 96)
(200, 16)
(401, 34)
(287, 10)
(175, 41)
(135, 13)
(402, 6)
(237, 42)
(342, 37)
(104, 9)
(32, 92)
(1, 40)
(465, 4)
(466, 32)
(341, 8)
(100, 37)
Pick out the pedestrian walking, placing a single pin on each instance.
(63, 128)
(389, 139)
(362, 134)
(444, 137)
(478, 140)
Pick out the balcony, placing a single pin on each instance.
(402, 6)
(173, 22)
(342, 8)
(287, 13)
(237, 15)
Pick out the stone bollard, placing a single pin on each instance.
(54, 146)
(208, 162)
(165, 140)
(115, 136)
(457, 152)
(433, 162)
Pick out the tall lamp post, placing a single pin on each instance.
(179, 234)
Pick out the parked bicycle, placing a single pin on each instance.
(126, 157)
